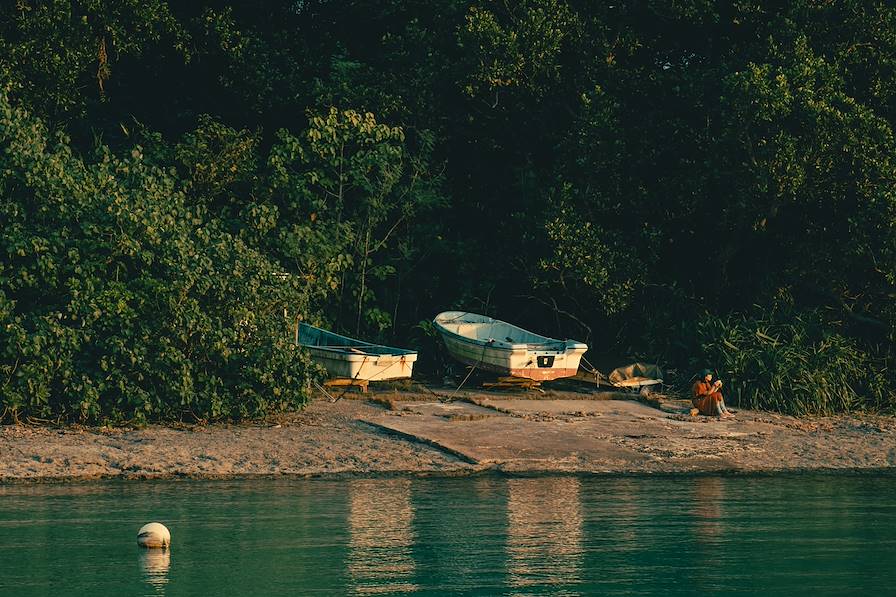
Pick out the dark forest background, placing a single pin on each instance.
(692, 183)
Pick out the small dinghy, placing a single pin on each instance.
(504, 348)
(347, 358)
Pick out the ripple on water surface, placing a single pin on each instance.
(827, 535)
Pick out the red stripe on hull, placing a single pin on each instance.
(545, 374)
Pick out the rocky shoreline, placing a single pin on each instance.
(406, 433)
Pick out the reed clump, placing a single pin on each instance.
(797, 364)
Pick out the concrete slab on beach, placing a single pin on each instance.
(515, 434)
(420, 433)
(490, 438)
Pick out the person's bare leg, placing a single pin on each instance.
(721, 410)
(725, 408)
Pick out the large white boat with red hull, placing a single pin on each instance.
(504, 348)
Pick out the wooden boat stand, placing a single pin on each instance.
(341, 382)
(519, 383)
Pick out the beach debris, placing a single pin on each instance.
(644, 378)
(636, 375)
(515, 383)
(154, 535)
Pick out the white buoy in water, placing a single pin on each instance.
(154, 534)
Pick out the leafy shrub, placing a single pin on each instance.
(794, 363)
(121, 301)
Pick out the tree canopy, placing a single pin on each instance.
(694, 183)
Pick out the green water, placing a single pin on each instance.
(826, 535)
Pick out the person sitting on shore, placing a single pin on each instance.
(707, 397)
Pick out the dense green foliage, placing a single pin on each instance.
(793, 363)
(182, 182)
(120, 299)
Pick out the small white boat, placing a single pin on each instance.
(347, 358)
(507, 349)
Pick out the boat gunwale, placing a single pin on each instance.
(344, 355)
(358, 344)
(569, 345)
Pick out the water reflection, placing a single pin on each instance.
(155, 564)
(380, 521)
(544, 532)
(483, 535)
(708, 493)
(622, 527)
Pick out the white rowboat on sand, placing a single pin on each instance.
(347, 358)
(504, 348)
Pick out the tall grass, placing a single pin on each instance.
(796, 364)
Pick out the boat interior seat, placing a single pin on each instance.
(492, 332)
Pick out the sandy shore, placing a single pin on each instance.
(407, 433)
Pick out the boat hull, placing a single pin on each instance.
(348, 358)
(366, 367)
(538, 358)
